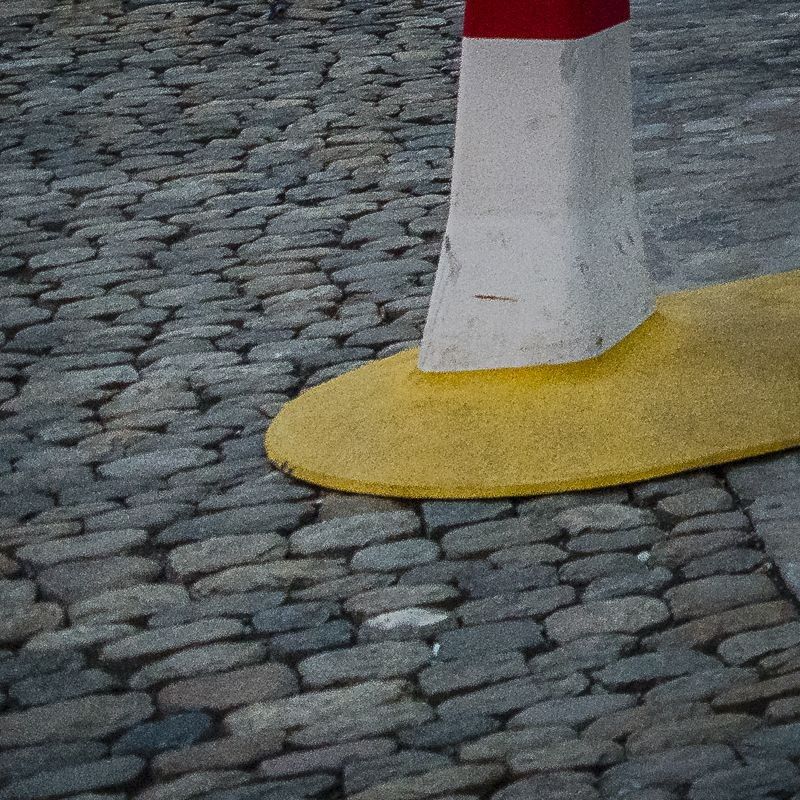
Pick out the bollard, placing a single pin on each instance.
(546, 365)
(542, 259)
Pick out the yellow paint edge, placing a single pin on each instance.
(747, 294)
(424, 492)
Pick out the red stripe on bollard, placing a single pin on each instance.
(542, 19)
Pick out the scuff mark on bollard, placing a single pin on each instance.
(496, 297)
(454, 266)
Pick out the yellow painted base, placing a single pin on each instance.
(713, 376)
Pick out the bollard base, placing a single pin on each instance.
(712, 377)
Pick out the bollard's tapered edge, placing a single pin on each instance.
(712, 377)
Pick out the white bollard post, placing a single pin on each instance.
(542, 265)
(542, 260)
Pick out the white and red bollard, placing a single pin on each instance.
(542, 269)
(542, 260)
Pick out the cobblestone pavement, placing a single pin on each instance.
(205, 208)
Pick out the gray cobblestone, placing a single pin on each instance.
(353, 532)
(678, 551)
(395, 556)
(451, 676)
(220, 552)
(43, 689)
(447, 731)
(723, 728)
(551, 786)
(384, 660)
(407, 623)
(666, 663)
(590, 652)
(489, 536)
(501, 745)
(747, 781)
(536, 603)
(746, 646)
(229, 689)
(601, 517)
(745, 696)
(26, 761)
(669, 768)
(712, 595)
(701, 685)
(513, 695)
(574, 711)
(636, 719)
(75, 581)
(700, 632)
(624, 615)
(570, 754)
(104, 774)
(149, 738)
(362, 774)
(694, 503)
(84, 718)
(435, 782)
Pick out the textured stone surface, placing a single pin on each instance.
(466, 673)
(384, 660)
(394, 556)
(228, 689)
(474, 641)
(325, 758)
(85, 718)
(220, 753)
(695, 502)
(208, 659)
(505, 743)
(727, 728)
(169, 733)
(571, 754)
(353, 532)
(219, 552)
(435, 782)
(106, 774)
(712, 595)
(747, 646)
(62, 685)
(666, 663)
(374, 770)
(668, 768)
(625, 615)
(550, 786)
(750, 780)
(575, 711)
(601, 517)
(164, 640)
(207, 208)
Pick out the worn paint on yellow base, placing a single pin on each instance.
(712, 377)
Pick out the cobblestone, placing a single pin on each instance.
(751, 780)
(712, 595)
(362, 662)
(43, 689)
(207, 208)
(229, 689)
(169, 733)
(571, 754)
(625, 615)
(552, 786)
(747, 646)
(106, 774)
(95, 716)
